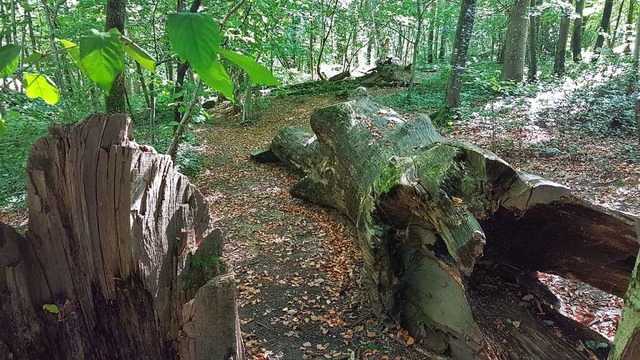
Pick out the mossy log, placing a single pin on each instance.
(427, 210)
(119, 260)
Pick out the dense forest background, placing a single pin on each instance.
(586, 44)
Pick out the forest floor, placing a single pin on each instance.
(297, 263)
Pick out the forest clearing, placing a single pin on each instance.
(319, 180)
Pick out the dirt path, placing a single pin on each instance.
(297, 264)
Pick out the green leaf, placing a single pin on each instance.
(3, 127)
(34, 57)
(102, 55)
(74, 52)
(139, 55)
(9, 59)
(216, 77)
(51, 308)
(195, 37)
(40, 86)
(257, 73)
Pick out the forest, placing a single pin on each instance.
(319, 179)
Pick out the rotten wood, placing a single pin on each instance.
(100, 272)
(426, 210)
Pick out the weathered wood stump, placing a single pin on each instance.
(119, 260)
(427, 210)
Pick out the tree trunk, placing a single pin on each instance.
(515, 42)
(427, 210)
(119, 260)
(460, 49)
(576, 38)
(416, 46)
(629, 27)
(604, 25)
(561, 47)
(627, 342)
(612, 39)
(116, 15)
(532, 44)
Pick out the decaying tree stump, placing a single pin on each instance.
(437, 220)
(119, 260)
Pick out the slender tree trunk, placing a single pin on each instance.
(576, 38)
(533, 44)
(416, 46)
(604, 25)
(116, 16)
(443, 43)
(323, 41)
(459, 56)
(636, 49)
(516, 40)
(629, 27)
(612, 39)
(54, 49)
(561, 47)
(432, 47)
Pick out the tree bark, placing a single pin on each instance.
(515, 43)
(576, 38)
(459, 56)
(612, 39)
(119, 259)
(604, 25)
(533, 43)
(561, 47)
(116, 11)
(427, 210)
(628, 31)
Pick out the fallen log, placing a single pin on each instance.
(119, 260)
(427, 210)
(340, 76)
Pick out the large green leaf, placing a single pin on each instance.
(40, 86)
(74, 52)
(102, 55)
(195, 37)
(3, 127)
(257, 73)
(9, 55)
(216, 77)
(139, 55)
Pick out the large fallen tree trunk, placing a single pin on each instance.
(427, 210)
(119, 260)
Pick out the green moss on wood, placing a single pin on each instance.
(200, 268)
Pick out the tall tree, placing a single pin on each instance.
(116, 15)
(460, 49)
(416, 44)
(516, 40)
(629, 27)
(534, 23)
(561, 47)
(604, 25)
(576, 37)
